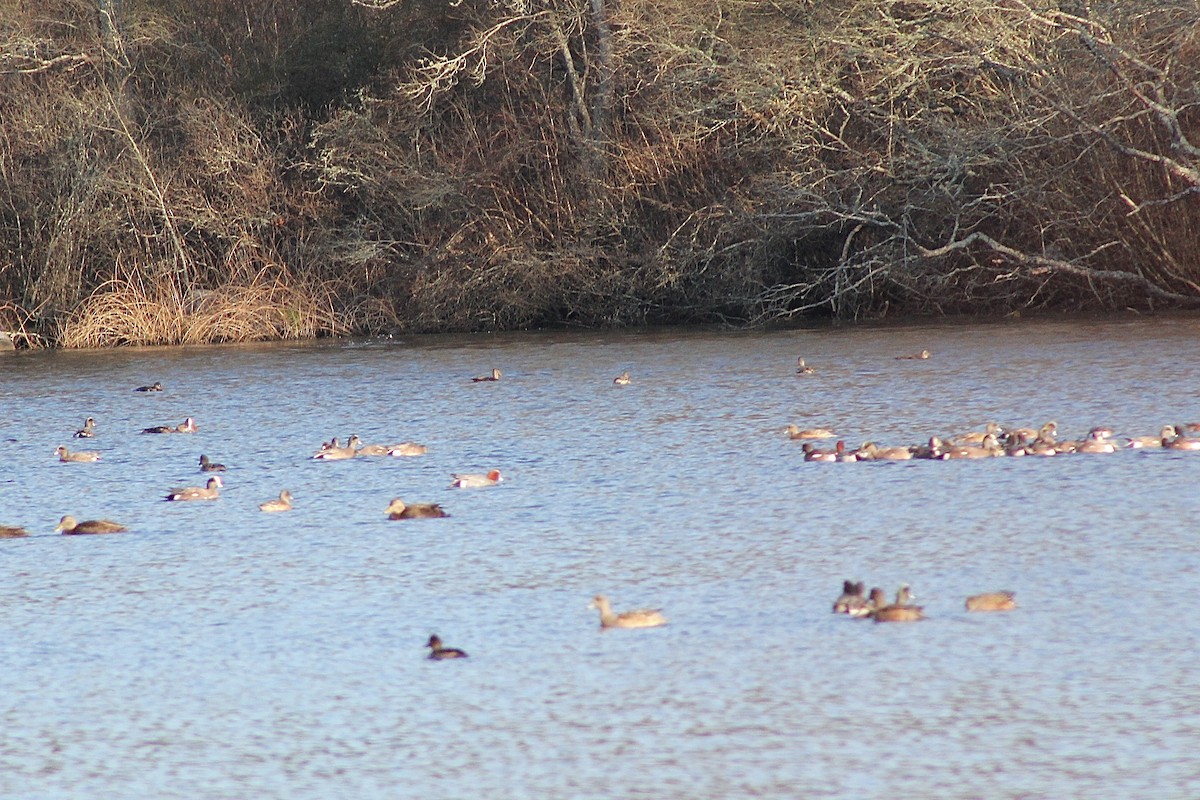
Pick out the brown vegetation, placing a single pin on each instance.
(173, 173)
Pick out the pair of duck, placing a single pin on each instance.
(852, 603)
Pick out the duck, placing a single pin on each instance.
(373, 450)
(80, 456)
(70, 527)
(900, 611)
(495, 376)
(1096, 442)
(331, 452)
(934, 449)
(852, 602)
(988, 448)
(1047, 431)
(437, 652)
(187, 426)
(210, 491)
(641, 618)
(473, 481)
(623, 379)
(869, 451)
(210, 466)
(154, 387)
(976, 437)
(802, 368)
(398, 509)
(1181, 441)
(795, 432)
(1167, 432)
(281, 503)
(840, 453)
(991, 601)
(407, 449)
(88, 430)
(921, 356)
(811, 453)
(12, 532)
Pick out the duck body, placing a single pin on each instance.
(281, 503)
(70, 527)
(398, 509)
(80, 456)
(154, 387)
(373, 450)
(811, 453)
(873, 452)
(641, 618)
(209, 466)
(495, 376)
(1181, 441)
(210, 491)
(796, 432)
(439, 652)
(88, 430)
(921, 356)
(991, 601)
(472, 481)
(12, 532)
(405, 449)
(187, 426)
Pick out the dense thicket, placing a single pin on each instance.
(174, 171)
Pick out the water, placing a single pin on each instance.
(215, 651)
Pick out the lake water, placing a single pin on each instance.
(218, 652)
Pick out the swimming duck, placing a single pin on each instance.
(373, 450)
(88, 430)
(1181, 441)
(852, 602)
(840, 453)
(209, 466)
(811, 453)
(1167, 432)
(398, 509)
(187, 426)
(407, 449)
(988, 448)
(976, 437)
(921, 356)
(795, 432)
(154, 387)
(802, 368)
(331, 452)
(210, 491)
(12, 532)
(641, 618)
(873, 452)
(495, 376)
(900, 611)
(934, 449)
(472, 481)
(80, 456)
(282, 503)
(623, 379)
(70, 527)
(1096, 442)
(991, 601)
(439, 653)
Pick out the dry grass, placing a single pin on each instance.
(128, 312)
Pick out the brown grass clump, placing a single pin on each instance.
(127, 312)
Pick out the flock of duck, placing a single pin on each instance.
(853, 602)
(332, 450)
(994, 440)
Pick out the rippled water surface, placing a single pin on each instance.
(215, 651)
